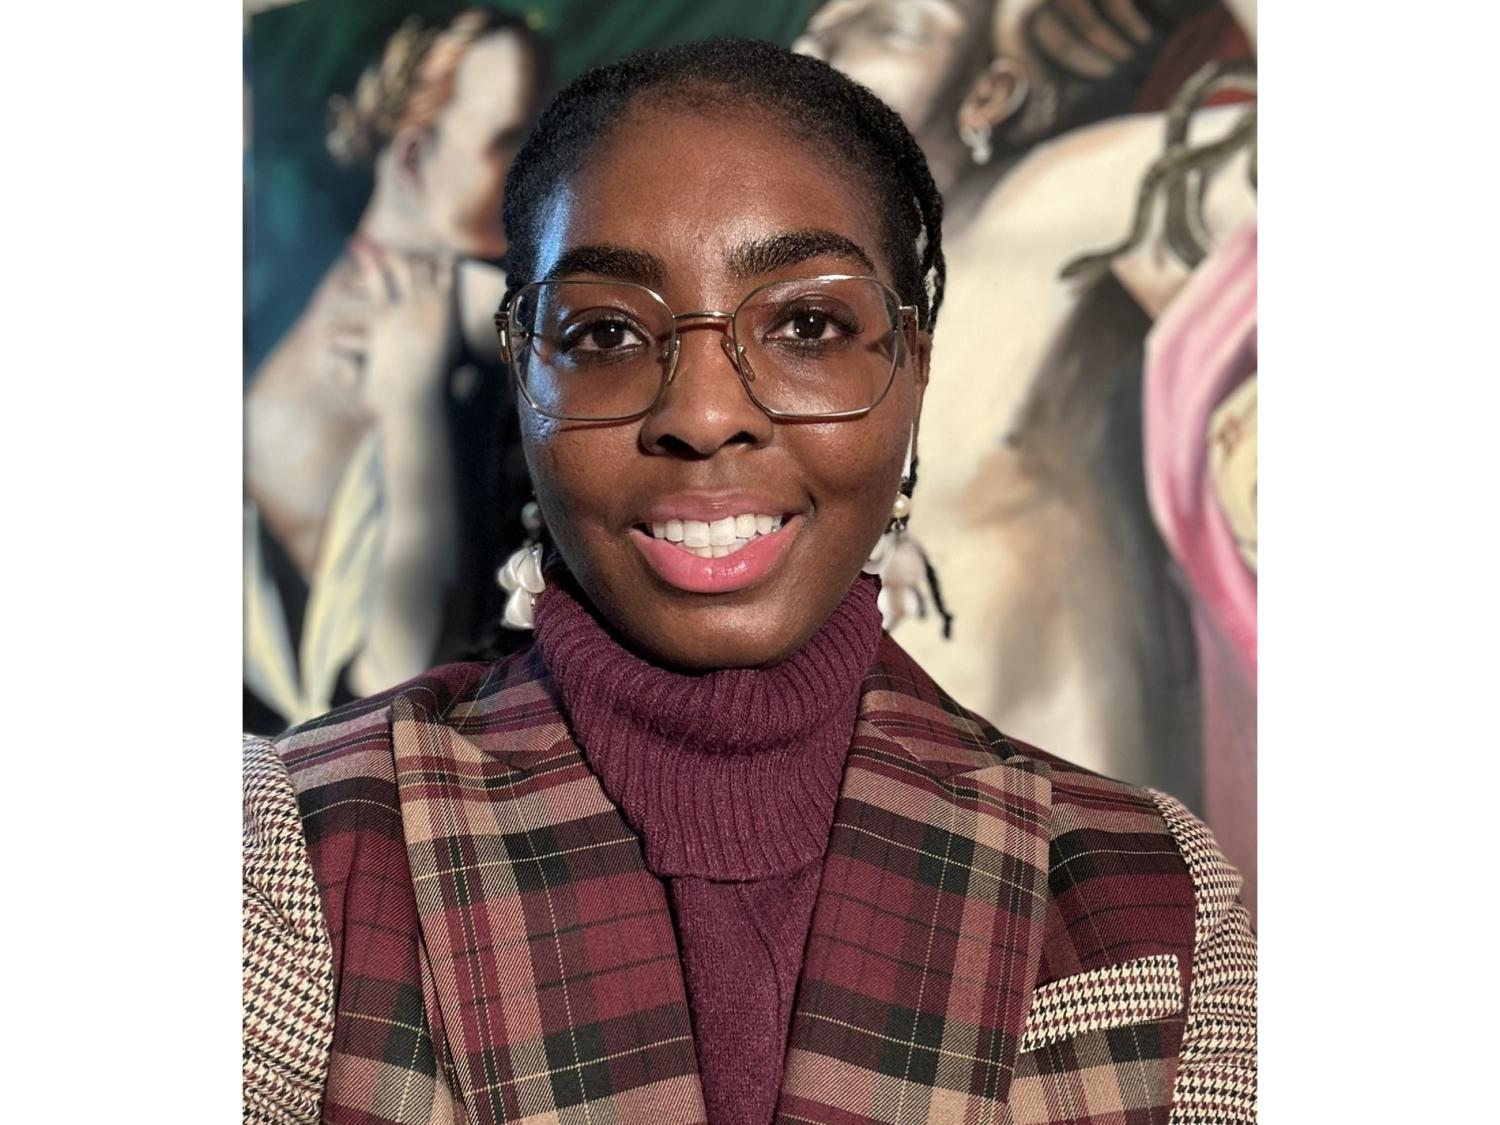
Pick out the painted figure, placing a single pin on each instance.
(354, 422)
(1069, 624)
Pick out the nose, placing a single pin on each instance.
(704, 408)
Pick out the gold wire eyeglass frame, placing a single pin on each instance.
(905, 326)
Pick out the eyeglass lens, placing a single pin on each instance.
(811, 347)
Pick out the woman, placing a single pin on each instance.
(357, 422)
(714, 848)
(1069, 631)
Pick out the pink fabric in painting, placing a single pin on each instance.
(1202, 348)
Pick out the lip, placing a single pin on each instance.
(695, 575)
(710, 506)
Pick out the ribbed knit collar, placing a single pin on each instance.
(729, 775)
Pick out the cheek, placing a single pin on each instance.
(571, 471)
(860, 473)
(488, 185)
(552, 472)
(468, 181)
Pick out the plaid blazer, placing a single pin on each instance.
(447, 920)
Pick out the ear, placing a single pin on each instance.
(922, 359)
(995, 95)
(921, 356)
(409, 149)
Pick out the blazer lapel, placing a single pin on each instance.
(926, 931)
(551, 949)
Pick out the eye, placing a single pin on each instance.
(602, 334)
(906, 28)
(808, 326)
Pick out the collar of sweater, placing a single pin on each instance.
(726, 775)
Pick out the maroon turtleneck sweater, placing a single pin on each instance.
(730, 779)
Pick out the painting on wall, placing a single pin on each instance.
(1082, 560)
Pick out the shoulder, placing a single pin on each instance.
(1134, 852)
(288, 954)
(342, 765)
(355, 740)
(1119, 875)
(900, 695)
(1142, 916)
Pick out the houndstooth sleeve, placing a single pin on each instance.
(1216, 1075)
(288, 958)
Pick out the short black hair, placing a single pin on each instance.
(844, 118)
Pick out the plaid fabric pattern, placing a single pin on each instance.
(388, 1062)
(288, 961)
(552, 945)
(1119, 895)
(998, 936)
(922, 953)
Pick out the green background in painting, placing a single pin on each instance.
(301, 206)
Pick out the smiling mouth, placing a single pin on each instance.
(714, 539)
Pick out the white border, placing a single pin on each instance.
(120, 462)
(1378, 561)
(119, 457)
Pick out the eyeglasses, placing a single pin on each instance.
(823, 347)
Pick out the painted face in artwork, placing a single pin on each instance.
(917, 55)
(1056, 64)
(474, 140)
(689, 203)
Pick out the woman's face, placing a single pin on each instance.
(910, 52)
(476, 137)
(697, 204)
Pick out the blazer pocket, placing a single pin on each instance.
(1147, 988)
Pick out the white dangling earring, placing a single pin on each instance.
(895, 530)
(903, 567)
(901, 564)
(521, 574)
(884, 558)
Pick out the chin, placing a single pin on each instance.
(711, 659)
(728, 641)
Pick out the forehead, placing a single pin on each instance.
(492, 86)
(893, 16)
(690, 186)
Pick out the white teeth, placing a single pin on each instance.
(717, 538)
(721, 532)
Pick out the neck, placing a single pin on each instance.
(390, 219)
(730, 774)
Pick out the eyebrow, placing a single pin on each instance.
(611, 261)
(765, 255)
(746, 261)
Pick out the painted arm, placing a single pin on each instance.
(412, 341)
